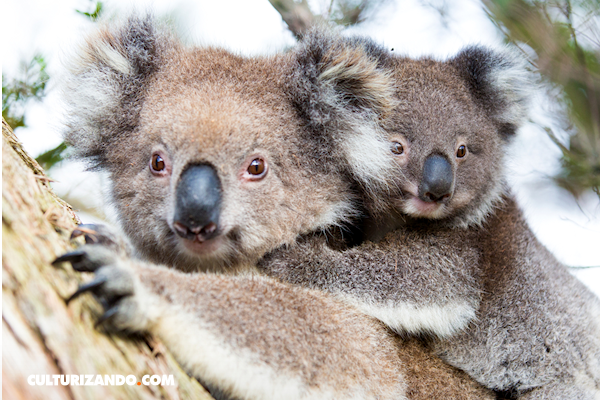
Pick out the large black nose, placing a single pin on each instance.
(197, 203)
(438, 179)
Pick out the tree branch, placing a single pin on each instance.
(297, 15)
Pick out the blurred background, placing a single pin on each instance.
(554, 166)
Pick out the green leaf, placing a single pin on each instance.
(48, 159)
(94, 15)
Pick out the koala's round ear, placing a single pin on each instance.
(499, 82)
(343, 90)
(337, 76)
(105, 86)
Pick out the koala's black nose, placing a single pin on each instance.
(197, 203)
(438, 179)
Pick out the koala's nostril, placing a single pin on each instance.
(434, 198)
(200, 234)
(208, 230)
(182, 230)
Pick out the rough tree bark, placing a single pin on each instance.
(41, 335)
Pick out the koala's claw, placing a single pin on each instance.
(108, 314)
(84, 229)
(114, 285)
(90, 286)
(88, 258)
(102, 235)
(96, 234)
(74, 257)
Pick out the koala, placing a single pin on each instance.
(214, 160)
(453, 257)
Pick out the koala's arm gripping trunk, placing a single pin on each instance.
(41, 336)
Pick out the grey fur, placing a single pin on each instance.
(207, 106)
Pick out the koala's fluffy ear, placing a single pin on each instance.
(343, 89)
(105, 86)
(338, 74)
(499, 82)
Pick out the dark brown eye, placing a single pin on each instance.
(157, 164)
(256, 167)
(397, 148)
(461, 152)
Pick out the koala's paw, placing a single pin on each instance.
(103, 235)
(116, 285)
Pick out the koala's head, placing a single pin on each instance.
(213, 158)
(450, 130)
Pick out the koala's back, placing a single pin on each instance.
(530, 299)
(442, 382)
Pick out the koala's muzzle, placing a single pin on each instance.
(197, 203)
(438, 179)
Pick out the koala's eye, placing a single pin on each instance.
(257, 167)
(397, 148)
(461, 152)
(157, 164)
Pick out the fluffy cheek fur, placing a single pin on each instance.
(144, 206)
(478, 186)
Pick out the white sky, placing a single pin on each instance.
(569, 229)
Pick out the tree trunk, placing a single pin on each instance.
(41, 335)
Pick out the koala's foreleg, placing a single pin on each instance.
(249, 337)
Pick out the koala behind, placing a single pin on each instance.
(461, 263)
(212, 164)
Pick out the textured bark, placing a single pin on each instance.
(41, 335)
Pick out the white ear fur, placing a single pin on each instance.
(90, 90)
(366, 147)
(350, 71)
(110, 54)
(103, 88)
(368, 153)
(511, 78)
(348, 91)
(499, 81)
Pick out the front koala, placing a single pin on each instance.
(168, 122)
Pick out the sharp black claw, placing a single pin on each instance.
(92, 285)
(72, 257)
(105, 304)
(107, 315)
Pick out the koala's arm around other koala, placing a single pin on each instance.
(414, 280)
